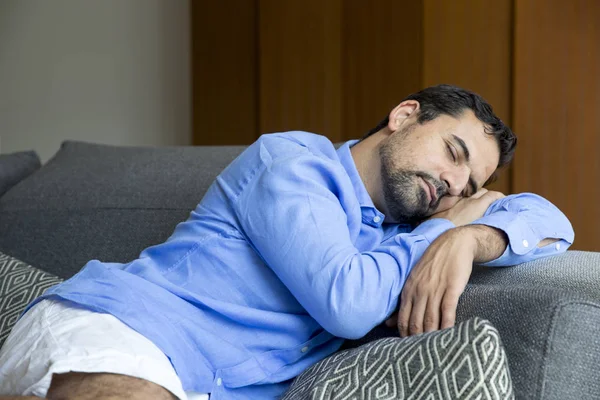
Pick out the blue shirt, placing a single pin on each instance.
(284, 257)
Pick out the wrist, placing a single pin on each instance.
(467, 237)
(487, 243)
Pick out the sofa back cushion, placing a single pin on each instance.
(103, 202)
(15, 167)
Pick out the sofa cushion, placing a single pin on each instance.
(21, 283)
(463, 362)
(103, 202)
(548, 315)
(15, 167)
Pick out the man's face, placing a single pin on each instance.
(426, 169)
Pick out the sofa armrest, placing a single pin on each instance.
(547, 313)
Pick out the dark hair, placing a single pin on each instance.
(452, 100)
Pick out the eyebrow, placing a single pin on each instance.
(467, 154)
(464, 147)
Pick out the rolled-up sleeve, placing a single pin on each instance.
(527, 219)
(292, 215)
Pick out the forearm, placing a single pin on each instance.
(488, 243)
(535, 228)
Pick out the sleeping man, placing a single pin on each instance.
(295, 247)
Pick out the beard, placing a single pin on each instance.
(405, 198)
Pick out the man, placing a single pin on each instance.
(295, 247)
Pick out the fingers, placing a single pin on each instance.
(448, 308)
(431, 320)
(489, 195)
(404, 317)
(415, 324)
(488, 198)
(392, 321)
(492, 194)
(427, 315)
(479, 193)
(424, 316)
(483, 199)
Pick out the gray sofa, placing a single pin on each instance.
(104, 202)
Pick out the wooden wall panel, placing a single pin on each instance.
(382, 60)
(300, 66)
(469, 43)
(557, 98)
(224, 71)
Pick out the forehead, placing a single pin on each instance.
(483, 148)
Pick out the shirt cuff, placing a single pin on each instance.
(521, 238)
(433, 228)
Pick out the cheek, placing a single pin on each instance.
(447, 203)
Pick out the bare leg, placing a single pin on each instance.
(19, 398)
(82, 386)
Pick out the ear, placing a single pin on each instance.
(401, 113)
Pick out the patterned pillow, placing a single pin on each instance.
(463, 362)
(19, 285)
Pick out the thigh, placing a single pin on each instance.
(102, 386)
(55, 339)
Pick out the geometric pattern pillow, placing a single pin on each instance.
(20, 284)
(465, 362)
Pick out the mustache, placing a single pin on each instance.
(440, 188)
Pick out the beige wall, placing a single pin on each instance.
(109, 71)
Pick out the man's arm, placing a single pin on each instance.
(513, 230)
(430, 295)
(490, 242)
(535, 228)
(291, 214)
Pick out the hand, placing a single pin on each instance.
(430, 295)
(436, 282)
(468, 209)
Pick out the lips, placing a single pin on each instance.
(432, 192)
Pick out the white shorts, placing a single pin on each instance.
(57, 336)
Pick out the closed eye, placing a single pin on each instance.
(451, 151)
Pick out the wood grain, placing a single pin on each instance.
(224, 72)
(469, 43)
(300, 56)
(383, 60)
(557, 98)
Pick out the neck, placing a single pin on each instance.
(368, 163)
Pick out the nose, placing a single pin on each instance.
(455, 179)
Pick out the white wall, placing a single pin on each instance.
(106, 71)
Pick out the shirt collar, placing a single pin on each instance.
(348, 163)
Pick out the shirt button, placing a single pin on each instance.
(304, 349)
(557, 247)
(377, 219)
(525, 243)
(219, 381)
